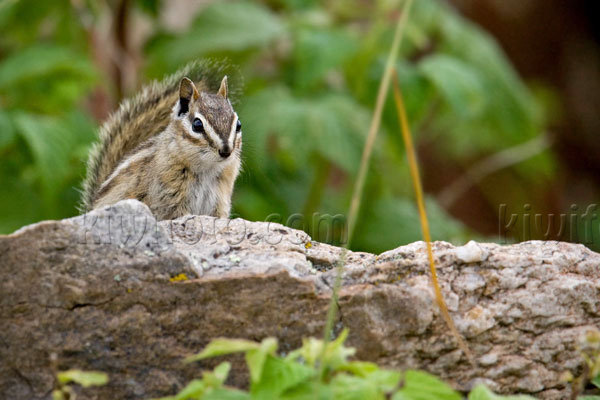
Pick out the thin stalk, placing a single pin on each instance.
(414, 172)
(376, 121)
(332, 310)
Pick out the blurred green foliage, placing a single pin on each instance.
(317, 370)
(311, 72)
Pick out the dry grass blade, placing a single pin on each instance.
(414, 172)
(375, 122)
(364, 166)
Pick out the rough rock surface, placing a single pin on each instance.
(104, 292)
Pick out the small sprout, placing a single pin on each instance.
(223, 346)
(117, 278)
(308, 245)
(83, 378)
(235, 259)
(317, 365)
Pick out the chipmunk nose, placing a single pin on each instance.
(226, 152)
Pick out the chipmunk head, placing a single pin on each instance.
(208, 120)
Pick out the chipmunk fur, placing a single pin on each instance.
(176, 147)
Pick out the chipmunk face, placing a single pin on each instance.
(209, 121)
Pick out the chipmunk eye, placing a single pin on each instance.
(198, 126)
(238, 126)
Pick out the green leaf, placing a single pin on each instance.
(209, 387)
(83, 378)
(279, 375)
(7, 130)
(309, 390)
(234, 26)
(360, 368)
(194, 389)
(20, 201)
(457, 82)
(216, 378)
(50, 145)
(334, 356)
(420, 385)
(384, 380)
(25, 65)
(419, 96)
(255, 359)
(311, 350)
(332, 126)
(319, 51)
(347, 387)
(481, 392)
(338, 128)
(336, 353)
(225, 394)
(512, 111)
(55, 149)
(222, 26)
(596, 381)
(222, 346)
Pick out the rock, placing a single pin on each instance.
(470, 253)
(115, 291)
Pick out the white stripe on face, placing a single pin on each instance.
(232, 133)
(208, 129)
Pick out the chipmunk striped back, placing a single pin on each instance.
(140, 118)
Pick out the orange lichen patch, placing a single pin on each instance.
(179, 278)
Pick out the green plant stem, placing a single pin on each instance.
(332, 311)
(376, 121)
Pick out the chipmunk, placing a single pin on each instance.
(175, 147)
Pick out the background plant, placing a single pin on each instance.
(64, 380)
(311, 73)
(317, 370)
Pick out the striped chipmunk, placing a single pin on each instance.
(176, 147)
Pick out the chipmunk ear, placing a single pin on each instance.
(223, 88)
(187, 90)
